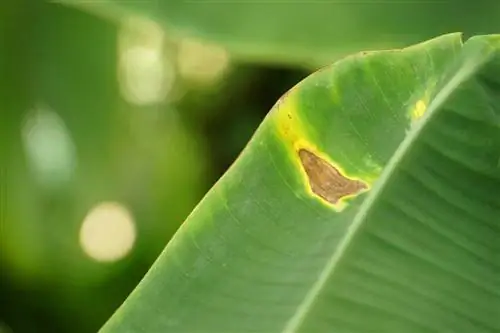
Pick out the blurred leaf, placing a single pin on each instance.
(365, 202)
(308, 32)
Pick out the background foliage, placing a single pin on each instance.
(146, 105)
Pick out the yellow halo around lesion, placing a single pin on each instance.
(292, 133)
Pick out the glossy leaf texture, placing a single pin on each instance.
(367, 201)
(307, 32)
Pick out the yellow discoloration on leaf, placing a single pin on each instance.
(419, 110)
(288, 123)
(324, 179)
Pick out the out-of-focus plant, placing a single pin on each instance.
(307, 32)
(98, 167)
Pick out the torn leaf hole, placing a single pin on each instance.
(326, 181)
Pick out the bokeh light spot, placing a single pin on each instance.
(201, 62)
(48, 146)
(108, 232)
(145, 74)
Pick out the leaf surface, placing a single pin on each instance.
(367, 201)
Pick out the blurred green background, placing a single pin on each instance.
(113, 128)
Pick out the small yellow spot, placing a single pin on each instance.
(419, 110)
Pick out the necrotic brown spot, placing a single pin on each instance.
(325, 180)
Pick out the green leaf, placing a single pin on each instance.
(367, 201)
(307, 32)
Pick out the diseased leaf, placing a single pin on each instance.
(367, 201)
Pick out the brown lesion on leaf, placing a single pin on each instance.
(326, 181)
